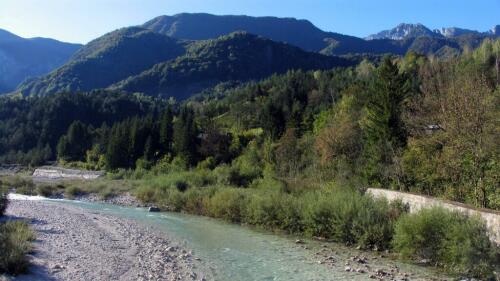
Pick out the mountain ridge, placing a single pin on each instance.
(408, 30)
(107, 60)
(248, 57)
(24, 58)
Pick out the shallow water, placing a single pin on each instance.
(234, 252)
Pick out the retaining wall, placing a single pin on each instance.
(417, 202)
(62, 173)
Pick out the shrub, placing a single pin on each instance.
(347, 216)
(46, 190)
(264, 209)
(318, 215)
(194, 200)
(146, 194)
(22, 185)
(450, 239)
(15, 244)
(274, 210)
(228, 175)
(72, 191)
(228, 204)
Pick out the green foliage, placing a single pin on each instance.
(107, 60)
(349, 217)
(74, 145)
(185, 136)
(72, 191)
(30, 128)
(228, 204)
(451, 239)
(15, 244)
(46, 190)
(383, 128)
(22, 185)
(239, 56)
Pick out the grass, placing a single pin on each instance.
(15, 244)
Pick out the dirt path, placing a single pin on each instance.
(77, 244)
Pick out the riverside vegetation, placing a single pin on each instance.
(294, 152)
(15, 241)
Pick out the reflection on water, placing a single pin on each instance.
(241, 253)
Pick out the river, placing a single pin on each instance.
(233, 252)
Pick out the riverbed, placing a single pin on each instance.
(222, 251)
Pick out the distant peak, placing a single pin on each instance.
(403, 31)
(496, 30)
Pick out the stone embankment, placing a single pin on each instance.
(7, 170)
(49, 172)
(418, 202)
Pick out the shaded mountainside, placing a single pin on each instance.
(300, 33)
(239, 56)
(21, 58)
(305, 35)
(107, 60)
(152, 58)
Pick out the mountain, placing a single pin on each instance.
(404, 31)
(107, 60)
(407, 31)
(450, 32)
(21, 58)
(495, 30)
(300, 33)
(239, 56)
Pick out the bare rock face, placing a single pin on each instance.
(496, 30)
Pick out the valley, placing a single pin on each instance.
(196, 146)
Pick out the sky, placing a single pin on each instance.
(79, 21)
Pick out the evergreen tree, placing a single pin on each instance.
(383, 128)
(73, 146)
(185, 135)
(166, 130)
(117, 152)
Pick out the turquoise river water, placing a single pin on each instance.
(241, 253)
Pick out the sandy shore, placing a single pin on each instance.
(77, 244)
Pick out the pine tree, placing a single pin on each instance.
(383, 128)
(74, 145)
(117, 152)
(185, 135)
(166, 131)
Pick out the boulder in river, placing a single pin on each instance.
(153, 209)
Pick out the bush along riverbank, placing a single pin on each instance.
(15, 242)
(450, 240)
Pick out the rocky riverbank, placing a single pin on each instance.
(78, 244)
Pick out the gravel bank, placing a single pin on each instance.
(77, 244)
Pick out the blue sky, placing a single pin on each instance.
(83, 20)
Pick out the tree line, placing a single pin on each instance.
(412, 123)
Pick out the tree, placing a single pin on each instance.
(384, 131)
(74, 145)
(185, 135)
(117, 152)
(166, 130)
